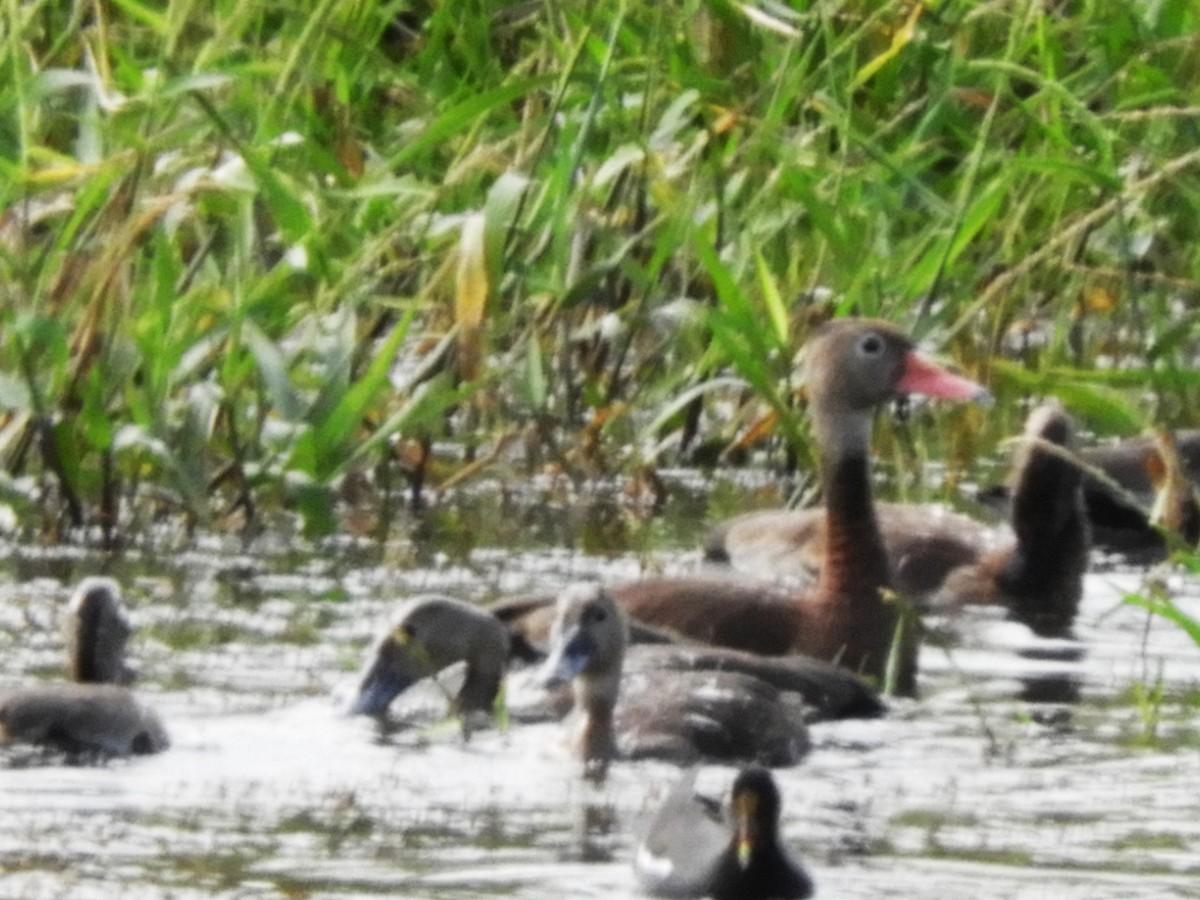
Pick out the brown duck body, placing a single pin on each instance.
(1034, 568)
(924, 542)
(1146, 499)
(89, 715)
(81, 718)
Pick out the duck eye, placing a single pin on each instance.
(597, 614)
(871, 345)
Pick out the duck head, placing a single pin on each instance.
(854, 365)
(587, 649)
(96, 631)
(755, 804)
(588, 641)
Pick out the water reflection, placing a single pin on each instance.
(1023, 770)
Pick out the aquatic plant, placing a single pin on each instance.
(256, 256)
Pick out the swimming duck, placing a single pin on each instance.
(92, 714)
(427, 634)
(1035, 569)
(1130, 463)
(684, 703)
(1038, 575)
(1144, 502)
(853, 366)
(691, 850)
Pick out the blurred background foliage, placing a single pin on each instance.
(320, 254)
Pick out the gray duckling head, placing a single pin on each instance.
(96, 630)
(426, 635)
(588, 642)
(93, 713)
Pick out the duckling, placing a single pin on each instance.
(682, 703)
(92, 714)
(427, 634)
(690, 850)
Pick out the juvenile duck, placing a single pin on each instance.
(426, 635)
(92, 714)
(681, 703)
(691, 850)
(1035, 568)
(853, 366)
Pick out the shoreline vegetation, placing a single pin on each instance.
(328, 254)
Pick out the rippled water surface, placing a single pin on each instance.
(1027, 769)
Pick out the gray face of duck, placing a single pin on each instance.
(427, 635)
(96, 631)
(588, 643)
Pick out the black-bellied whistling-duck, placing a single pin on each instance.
(692, 850)
(1035, 568)
(853, 366)
(686, 703)
(1130, 462)
(1038, 574)
(1144, 500)
(91, 714)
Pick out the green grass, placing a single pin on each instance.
(251, 251)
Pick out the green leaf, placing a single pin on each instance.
(273, 368)
(617, 162)
(199, 81)
(499, 219)
(771, 297)
(464, 116)
(142, 13)
(332, 434)
(533, 382)
(1105, 408)
(1162, 605)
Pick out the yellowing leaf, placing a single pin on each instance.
(471, 284)
(1098, 299)
(900, 40)
(470, 295)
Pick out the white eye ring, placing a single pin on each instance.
(870, 345)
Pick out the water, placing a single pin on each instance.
(1027, 769)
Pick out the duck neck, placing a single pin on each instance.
(1043, 575)
(855, 566)
(85, 640)
(594, 740)
(851, 621)
(479, 689)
